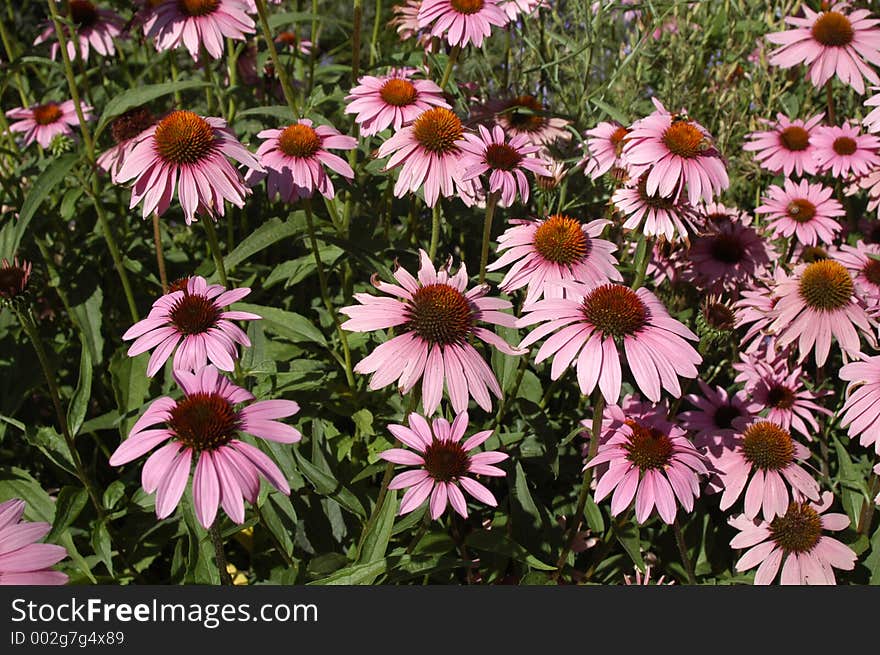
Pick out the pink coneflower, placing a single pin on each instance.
(443, 464)
(711, 423)
(872, 120)
(818, 301)
(95, 28)
(406, 23)
(870, 183)
(861, 411)
(830, 42)
(461, 21)
(783, 399)
(787, 147)
(603, 148)
(753, 309)
(644, 580)
(13, 278)
(205, 424)
(294, 158)
(190, 152)
(807, 211)
(556, 249)
(596, 323)
(676, 153)
(437, 317)
(42, 123)
(392, 100)
(191, 314)
(430, 150)
(794, 540)
(729, 256)
(516, 8)
(649, 459)
(766, 457)
(864, 268)
(198, 24)
(505, 160)
(717, 214)
(125, 130)
(528, 116)
(657, 215)
(23, 561)
(844, 151)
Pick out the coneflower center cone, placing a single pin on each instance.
(801, 210)
(194, 314)
(204, 421)
(299, 140)
(561, 240)
(871, 271)
(47, 114)
(618, 138)
(398, 92)
(648, 448)
(653, 200)
(833, 29)
(615, 310)
(718, 315)
(795, 138)
(437, 130)
(684, 139)
(446, 461)
(826, 285)
(798, 530)
(727, 248)
(184, 137)
(780, 396)
(724, 416)
(767, 446)
(843, 145)
(467, 7)
(131, 123)
(502, 157)
(12, 280)
(198, 7)
(83, 13)
(440, 314)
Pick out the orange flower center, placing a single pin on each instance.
(502, 157)
(467, 7)
(648, 448)
(801, 210)
(194, 314)
(871, 271)
(131, 123)
(299, 140)
(525, 114)
(615, 310)
(618, 139)
(767, 446)
(204, 421)
(398, 92)
(833, 29)
(47, 114)
(798, 530)
(198, 7)
(718, 315)
(653, 200)
(184, 137)
(794, 138)
(83, 13)
(684, 139)
(438, 130)
(440, 314)
(561, 240)
(844, 145)
(446, 461)
(780, 396)
(826, 285)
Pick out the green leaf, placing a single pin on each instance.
(270, 232)
(376, 542)
(53, 446)
(611, 111)
(130, 385)
(140, 95)
(872, 561)
(17, 483)
(88, 318)
(113, 494)
(327, 485)
(282, 112)
(495, 541)
(357, 574)
(70, 503)
(594, 516)
(101, 544)
(522, 494)
(628, 537)
(291, 325)
(39, 191)
(79, 404)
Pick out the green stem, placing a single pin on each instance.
(160, 253)
(450, 64)
(325, 294)
(491, 202)
(313, 53)
(867, 514)
(10, 56)
(829, 101)
(214, 244)
(575, 520)
(220, 555)
(642, 266)
(682, 550)
(380, 502)
(283, 76)
(423, 528)
(374, 38)
(278, 545)
(357, 18)
(435, 230)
